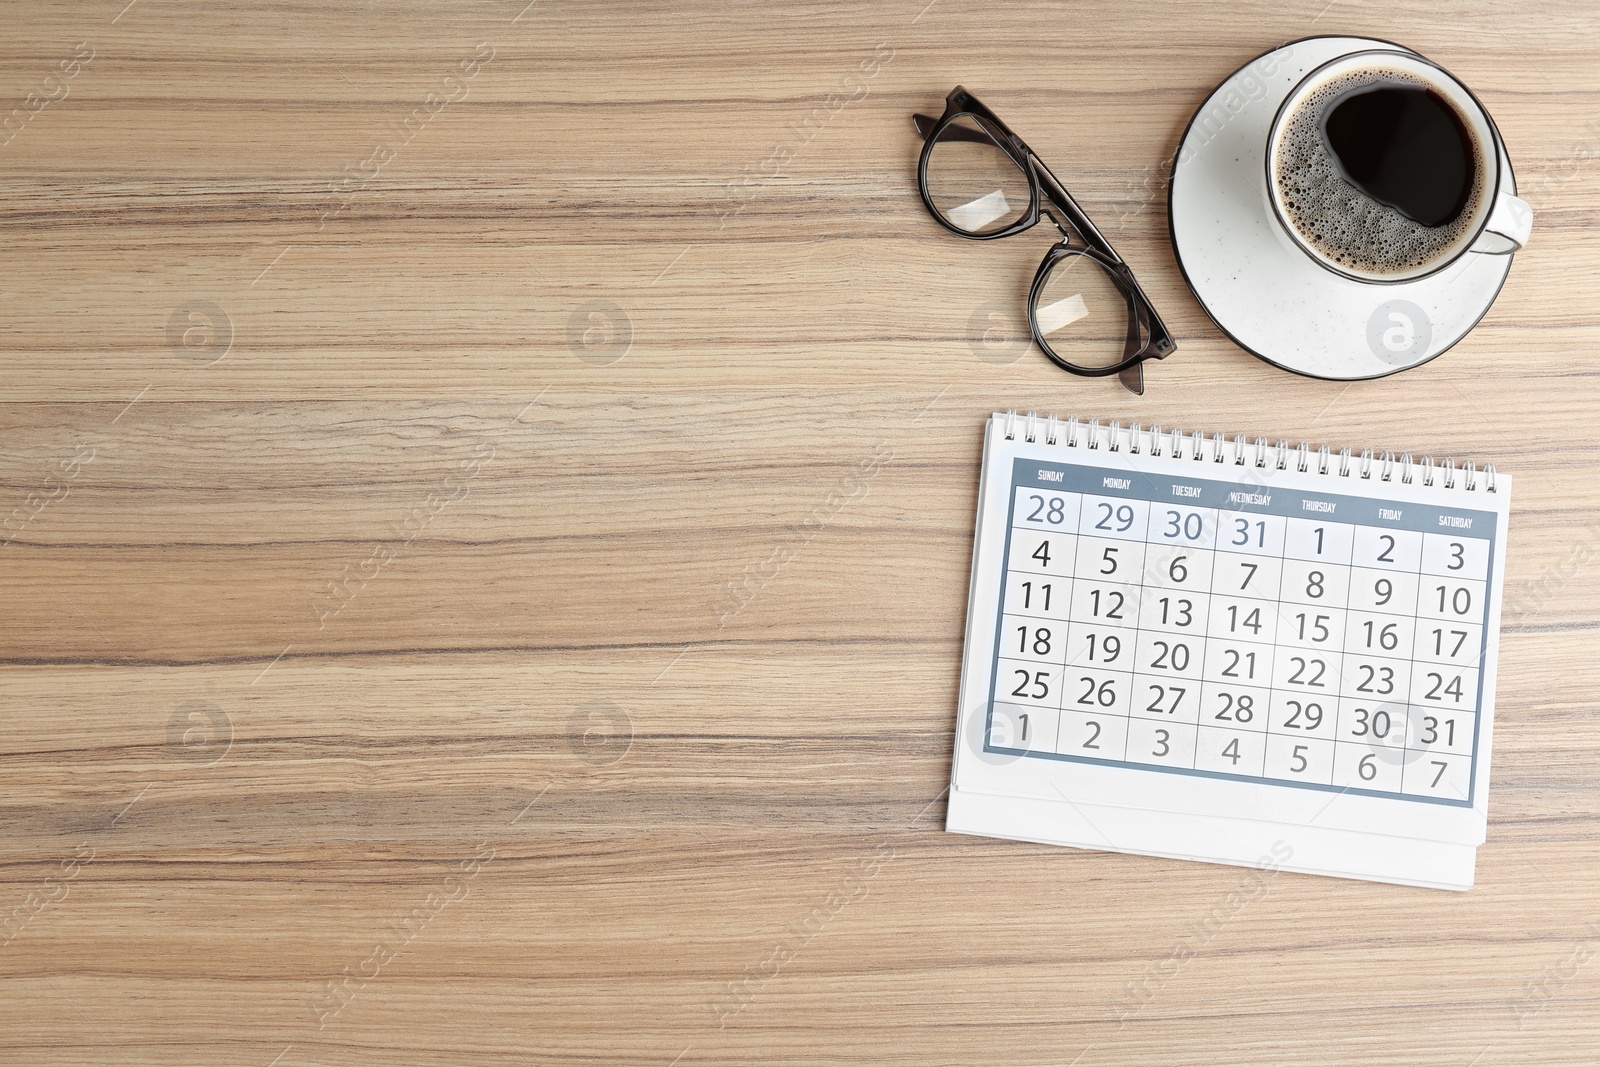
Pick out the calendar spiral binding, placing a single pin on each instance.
(1241, 451)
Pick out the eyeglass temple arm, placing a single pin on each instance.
(1144, 317)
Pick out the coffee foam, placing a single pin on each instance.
(1344, 224)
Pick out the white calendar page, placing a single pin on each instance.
(1229, 643)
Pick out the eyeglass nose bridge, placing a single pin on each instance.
(1067, 232)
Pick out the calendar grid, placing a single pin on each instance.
(1160, 734)
(1090, 648)
(1405, 764)
(1277, 601)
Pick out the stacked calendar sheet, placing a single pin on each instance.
(1224, 650)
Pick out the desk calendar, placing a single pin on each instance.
(1213, 648)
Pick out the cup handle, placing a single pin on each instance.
(1508, 227)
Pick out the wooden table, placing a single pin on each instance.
(491, 491)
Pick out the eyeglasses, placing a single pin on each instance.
(982, 182)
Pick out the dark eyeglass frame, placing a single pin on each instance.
(1148, 337)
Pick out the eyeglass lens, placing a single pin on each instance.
(1082, 314)
(974, 185)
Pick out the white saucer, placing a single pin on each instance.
(1264, 292)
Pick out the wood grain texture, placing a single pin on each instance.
(394, 664)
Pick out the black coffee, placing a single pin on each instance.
(1405, 147)
(1378, 172)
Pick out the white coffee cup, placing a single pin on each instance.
(1501, 221)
